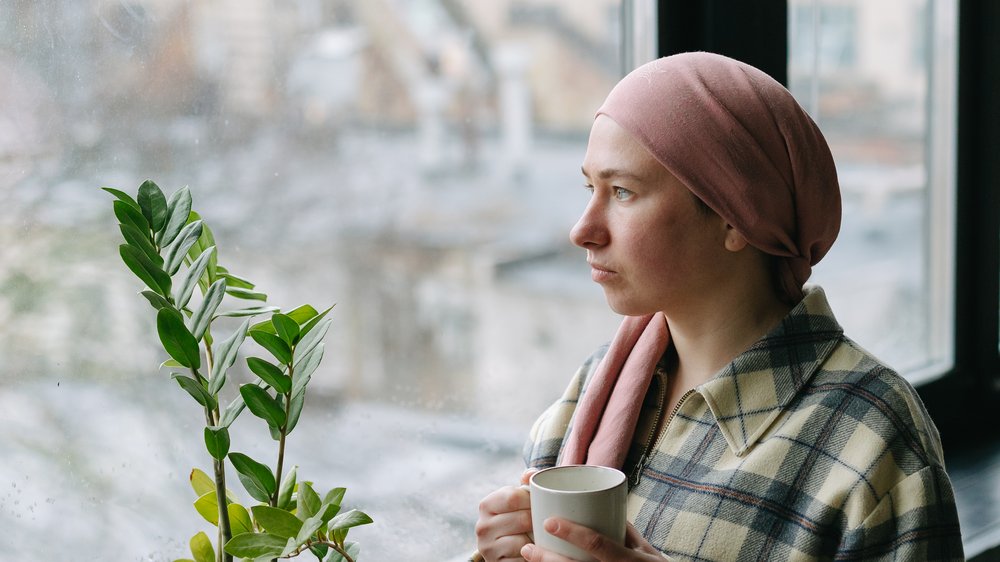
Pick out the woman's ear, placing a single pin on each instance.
(734, 240)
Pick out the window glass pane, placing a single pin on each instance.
(416, 162)
(864, 71)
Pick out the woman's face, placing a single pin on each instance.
(649, 245)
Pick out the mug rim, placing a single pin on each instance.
(620, 480)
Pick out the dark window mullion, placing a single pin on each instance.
(753, 32)
(957, 401)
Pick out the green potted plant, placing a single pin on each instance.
(172, 251)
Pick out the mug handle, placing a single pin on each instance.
(527, 488)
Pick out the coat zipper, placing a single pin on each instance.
(634, 476)
(654, 437)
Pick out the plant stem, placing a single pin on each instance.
(281, 448)
(342, 551)
(332, 544)
(281, 459)
(212, 419)
(225, 530)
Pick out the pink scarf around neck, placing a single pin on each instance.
(607, 415)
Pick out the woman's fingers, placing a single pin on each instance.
(504, 524)
(526, 475)
(594, 543)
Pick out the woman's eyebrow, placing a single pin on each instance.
(607, 173)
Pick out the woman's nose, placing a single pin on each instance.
(590, 230)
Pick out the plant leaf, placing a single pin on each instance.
(295, 410)
(236, 281)
(258, 474)
(276, 521)
(174, 257)
(274, 430)
(150, 273)
(338, 535)
(316, 319)
(255, 545)
(309, 528)
(254, 311)
(239, 519)
(246, 294)
(123, 197)
(352, 518)
(308, 501)
(196, 390)
(225, 355)
(232, 411)
(253, 488)
(327, 511)
(312, 338)
(300, 315)
(201, 548)
(217, 441)
(192, 276)
(201, 482)
(155, 299)
(153, 204)
(286, 488)
(207, 505)
(286, 328)
(270, 374)
(178, 212)
(176, 339)
(305, 368)
(205, 241)
(353, 549)
(331, 504)
(335, 496)
(263, 405)
(127, 214)
(202, 317)
(141, 241)
(319, 550)
(277, 346)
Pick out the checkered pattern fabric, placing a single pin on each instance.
(804, 447)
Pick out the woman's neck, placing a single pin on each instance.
(708, 338)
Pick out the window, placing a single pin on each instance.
(889, 116)
(416, 162)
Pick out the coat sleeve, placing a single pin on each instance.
(915, 520)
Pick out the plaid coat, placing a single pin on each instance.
(804, 447)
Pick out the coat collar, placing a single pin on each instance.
(747, 395)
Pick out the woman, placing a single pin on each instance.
(750, 427)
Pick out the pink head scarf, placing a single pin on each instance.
(741, 143)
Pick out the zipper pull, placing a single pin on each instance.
(633, 478)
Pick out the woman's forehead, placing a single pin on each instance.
(612, 152)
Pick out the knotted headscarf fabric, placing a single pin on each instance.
(739, 140)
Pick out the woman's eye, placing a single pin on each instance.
(622, 194)
(588, 187)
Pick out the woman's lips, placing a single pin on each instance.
(601, 273)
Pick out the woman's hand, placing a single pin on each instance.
(636, 548)
(504, 522)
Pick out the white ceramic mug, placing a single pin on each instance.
(593, 496)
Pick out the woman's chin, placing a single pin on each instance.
(625, 307)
